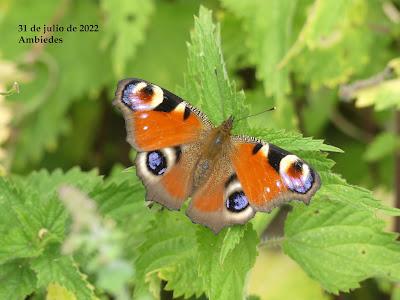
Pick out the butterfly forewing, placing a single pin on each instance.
(155, 118)
(277, 176)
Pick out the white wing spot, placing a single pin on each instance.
(143, 115)
(265, 149)
(180, 107)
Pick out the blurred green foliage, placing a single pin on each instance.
(332, 69)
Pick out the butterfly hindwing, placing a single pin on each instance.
(165, 130)
(276, 175)
(167, 174)
(156, 118)
(220, 201)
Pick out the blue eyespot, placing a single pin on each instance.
(156, 162)
(299, 183)
(138, 100)
(127, 95)
(237, 202)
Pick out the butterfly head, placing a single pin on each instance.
(227, 125)
(222, 132)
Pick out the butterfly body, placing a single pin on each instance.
(214, 149)
(181, 154)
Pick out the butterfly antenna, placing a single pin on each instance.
(256, 114)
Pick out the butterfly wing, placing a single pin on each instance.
(251, 176)
(167, 173)
(220, 201)
(275, 177)
(156, 118)
(165, 130)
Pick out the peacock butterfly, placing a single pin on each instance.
(182, 154)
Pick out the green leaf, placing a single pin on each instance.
(9, 193)
(45, 183)
(338, 245)
(268, 26)
(126, 22)
(17, 280)
(58, 292)
(165, 68)
(319, 110)
(168, 245)
(183, 279)
(58, 78)
(341, 60)
(35, 216)
(232, 238)
(231, 31)
(121, 200)
(120, 174)
(15, 244)
(324, 20)
(9, 19)
(225, 279)
(347, 194)
(97, 242)
(54, 268)
(21, 225)
(336, 43)
(383, 96)
(73, 149)
(383, 145)
(169, 251)
(125, 203)
(291, 141)
(206, 79)
(274, 272)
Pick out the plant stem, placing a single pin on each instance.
(348, 128)
(347, 92)
(272, 242)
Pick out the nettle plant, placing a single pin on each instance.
(78, 235)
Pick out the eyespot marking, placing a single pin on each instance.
(147, 91)
(156, 162)
(296, 175)
(142, 96)
(237, 202)
(296, 169)
(235, 199)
